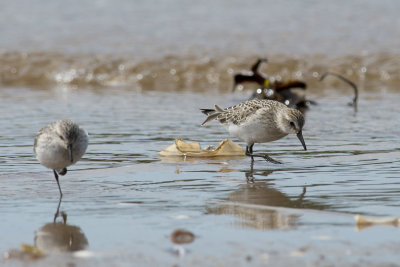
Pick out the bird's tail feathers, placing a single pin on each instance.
(211, 113)
(207, 111)
(218, 109)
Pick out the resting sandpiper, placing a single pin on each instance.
(59, 145)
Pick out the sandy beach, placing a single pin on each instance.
(137, 82)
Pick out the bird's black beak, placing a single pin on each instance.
(70, 153)
(300, 136)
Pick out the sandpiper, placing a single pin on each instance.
(259, 121)
(59, 145)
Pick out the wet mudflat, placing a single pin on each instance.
(124, 200)
(134, 74)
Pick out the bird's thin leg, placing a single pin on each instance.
(299, 201)
(58, 208)
(58, 183)
(249, 175)
(249, 152)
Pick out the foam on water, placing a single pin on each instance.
(180, 73)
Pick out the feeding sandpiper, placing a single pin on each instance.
(259, 121)
(59, 145)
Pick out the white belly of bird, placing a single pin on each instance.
(54, 156)
(251, 132)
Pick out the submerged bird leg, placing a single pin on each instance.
(249, 152)
(251, 149)
(58, 208)
(249, 174)
(299, 201)
(58, 183)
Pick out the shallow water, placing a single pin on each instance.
(136, 82)
(127, 200)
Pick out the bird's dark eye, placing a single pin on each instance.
(292, 124)
(61, 137)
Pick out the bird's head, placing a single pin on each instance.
(291, 121)
(68, 133)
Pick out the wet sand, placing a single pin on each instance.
(135, 74)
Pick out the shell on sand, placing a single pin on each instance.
(193, 149)
(362, 222)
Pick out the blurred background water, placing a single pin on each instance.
(135, 73)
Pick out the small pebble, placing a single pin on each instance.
(181, 236)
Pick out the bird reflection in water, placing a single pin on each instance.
(260, 193)
(258, 205)
(58, 236)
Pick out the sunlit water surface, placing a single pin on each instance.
(126, 199)
(135, 73)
